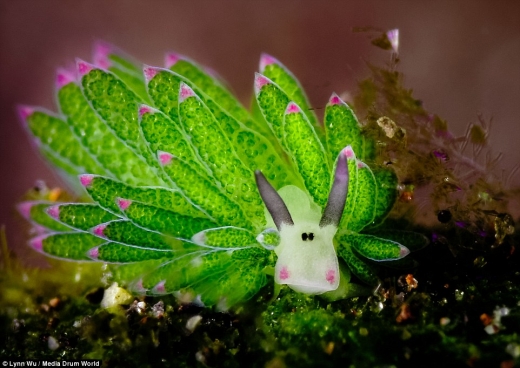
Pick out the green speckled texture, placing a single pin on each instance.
(213, 90)
(120, 253)
(241, 282)
(349, 213)
(133, 80)
(365, 207)
(207, 195)
(292, 88)
(68, 171)
(228, 237)
(128, 70)
(59, 245)
(271, 238)
(171, 272)
(245, 286)
(342, 129)
(211, 87)
(219, 155)
(204, 133)
(83, 216)
(111, 152)
(126, 232)
(185, 271)
(254, 255)
(162, 134)
(166, 222)
(308, 155)
(115, 103)
(373, 247)
(369, 149)
(254, 149)
(105, 191)
(363, 270)
(128, 273)
(55, 134)
(118, 107)
(272, 102)
(163, 88)
(411, 240)
(39, 216)
(386, 193)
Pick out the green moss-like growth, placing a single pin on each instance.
(463, 315)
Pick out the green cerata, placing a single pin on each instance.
(192, 194)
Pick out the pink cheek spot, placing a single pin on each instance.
(360, 165)
(284, 273)
(330, 276)
(123, 204)
(292, 108)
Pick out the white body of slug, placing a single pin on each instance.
(307, 260)
(307, 263)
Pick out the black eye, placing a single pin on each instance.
(306, 236)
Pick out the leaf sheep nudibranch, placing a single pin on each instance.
(192, 195)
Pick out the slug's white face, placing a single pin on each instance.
(307, 260)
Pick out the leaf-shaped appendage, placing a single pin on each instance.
(194, 196)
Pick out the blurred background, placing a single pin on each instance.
(462, 58)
